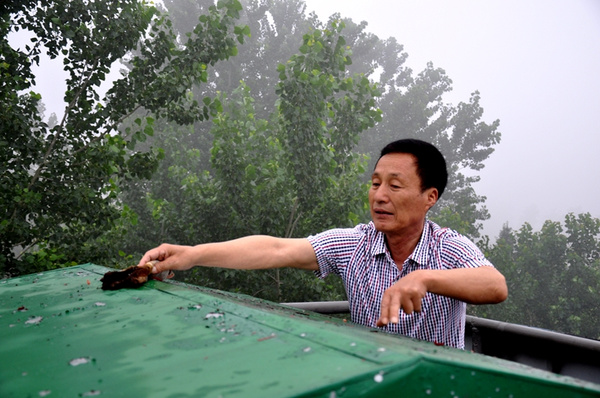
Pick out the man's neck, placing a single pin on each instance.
(401, 245)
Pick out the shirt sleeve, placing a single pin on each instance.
(460, 252)
(334, 249)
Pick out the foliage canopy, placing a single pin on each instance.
(60, 180)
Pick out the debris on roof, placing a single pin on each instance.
(62, 335)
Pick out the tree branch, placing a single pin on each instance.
(70, 106)
(292, 223)
(114, 126)
(26, 249)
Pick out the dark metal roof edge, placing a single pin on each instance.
(536, 333)
(333, 307)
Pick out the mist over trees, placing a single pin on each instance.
(245, 118)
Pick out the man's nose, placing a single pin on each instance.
(381, 194)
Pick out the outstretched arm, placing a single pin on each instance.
(251, 252)
(482, 285)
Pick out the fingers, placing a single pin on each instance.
(399, 297)
(407, 305)
(384, 318)
(157, 269)
(390, 307)
(391, 312)
(417, 304)
(157, 256)
(149, 256)
(393, 309)
(168, 257)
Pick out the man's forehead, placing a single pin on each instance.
(395, 165)
(383, 173)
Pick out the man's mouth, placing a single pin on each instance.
(382, 212)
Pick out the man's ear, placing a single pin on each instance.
(432, 197)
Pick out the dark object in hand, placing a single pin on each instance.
(132, 277)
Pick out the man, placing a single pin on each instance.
(402, 272)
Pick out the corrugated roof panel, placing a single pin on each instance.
(61, 335)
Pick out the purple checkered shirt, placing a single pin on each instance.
(361, 258)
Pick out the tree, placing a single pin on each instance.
(286, 149)
(413, 106)
(60, 183)
(264, 170)
(277, 28)
(578, 307)
(553, 276)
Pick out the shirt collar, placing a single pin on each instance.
(379, 246)
(419, 255)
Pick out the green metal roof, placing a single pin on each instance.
(61, 335)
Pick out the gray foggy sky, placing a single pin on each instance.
(536, 64)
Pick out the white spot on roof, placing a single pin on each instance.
(35, 320)
(91, 393)
(79, 361)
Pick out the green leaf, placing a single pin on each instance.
(250, 172)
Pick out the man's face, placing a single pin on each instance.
(398, 205)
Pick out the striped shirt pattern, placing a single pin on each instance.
(361, 258)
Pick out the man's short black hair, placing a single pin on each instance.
(431, 165)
